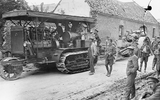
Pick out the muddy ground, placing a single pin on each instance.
(54, 85)
(117, 90)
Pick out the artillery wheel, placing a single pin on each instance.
(9, 72)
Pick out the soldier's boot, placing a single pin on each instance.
(145, 67)
(157, 74)
(140, 69)
(110, 70)
(108, 73)
(153, 63)
(91, 73)
(107, 70)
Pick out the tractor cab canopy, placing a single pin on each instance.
(36, 29)
(27, 15)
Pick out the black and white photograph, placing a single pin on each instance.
(79, 49)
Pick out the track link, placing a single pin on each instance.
(73, 62)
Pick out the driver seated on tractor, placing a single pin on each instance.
(83, 34)
(28, 47)
(68, 28)
(59, 31)
(82, 31)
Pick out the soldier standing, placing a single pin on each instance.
(109, 60)
(92, 53)
(154, 47)
(157, 59)
(131, 71)
(145, 52)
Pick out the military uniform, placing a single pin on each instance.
(157, 62)
(98, 41)
(145, 52)
(154, 47)
(131, 71)
(109, 59)
(110, 52)
(92, 53)
(136, 49)
(97, 37)
(59, 30)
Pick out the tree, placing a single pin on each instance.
(23, 5)
(9, 5)
(40, 8)
(62, 11)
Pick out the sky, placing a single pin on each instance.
(154, 3)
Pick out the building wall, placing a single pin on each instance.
(108, 25)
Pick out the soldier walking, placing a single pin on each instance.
(109, 60)
(145, 52)
(92, 53)
(131, 71)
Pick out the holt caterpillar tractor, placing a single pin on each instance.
(33, 43)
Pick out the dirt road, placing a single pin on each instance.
(57, 86)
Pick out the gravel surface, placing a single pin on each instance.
(117, 90)
(54, 85)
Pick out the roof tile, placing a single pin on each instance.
(129, 10)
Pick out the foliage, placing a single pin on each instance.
(40, 8)
(5, 6)
(23, 5)
(9, 5)
(62, 11)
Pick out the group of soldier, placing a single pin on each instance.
(132, 67)
(110, 51)
(135, 53)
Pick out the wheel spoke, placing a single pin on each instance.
(15, 74)
(5, 74)
(9, 72)
(8, 76)
(11, 75)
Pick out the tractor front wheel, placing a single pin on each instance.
(10, 72)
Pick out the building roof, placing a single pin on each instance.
(130, 10)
